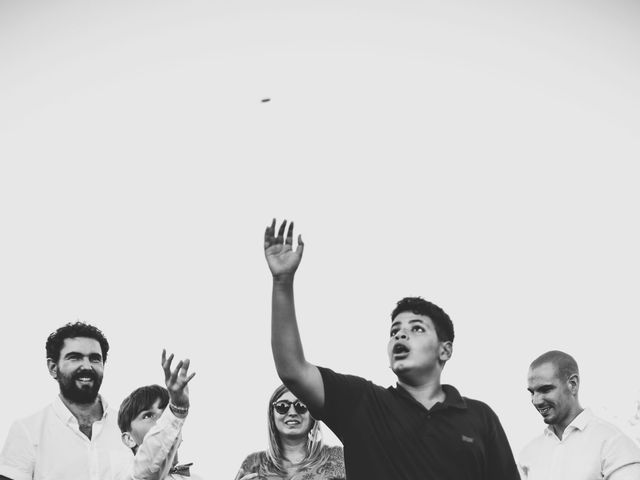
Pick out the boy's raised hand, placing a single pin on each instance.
(177, 381)
(278, 250)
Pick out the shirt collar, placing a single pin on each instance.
(580, 422)
(63, 412)
(452, 397)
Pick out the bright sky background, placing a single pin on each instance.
(480, 154)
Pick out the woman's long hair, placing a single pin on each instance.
(316, 454)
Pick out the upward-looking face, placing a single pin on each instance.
(79, 369)
(414, 347)
(553, 397)
(291, 424)
(141, 424)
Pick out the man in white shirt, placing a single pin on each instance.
(576, 445)
(77, 436)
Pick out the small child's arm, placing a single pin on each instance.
(160, 445)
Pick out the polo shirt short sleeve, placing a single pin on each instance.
(387, 434)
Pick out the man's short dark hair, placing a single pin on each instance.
(565, 364)
(139, 400)
(75, 330)
(420, 306)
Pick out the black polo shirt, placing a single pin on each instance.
(388, 435)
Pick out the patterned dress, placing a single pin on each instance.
(332, 469)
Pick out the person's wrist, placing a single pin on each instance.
(179, 410)
(283, 278)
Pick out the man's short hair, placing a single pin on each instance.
(139, 400)
(420, 306)
(565, 364)
(55, 341)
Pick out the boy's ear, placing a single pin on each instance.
(446, 350)
(128, 440)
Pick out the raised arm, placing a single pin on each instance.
(156, 455)
(300, 376)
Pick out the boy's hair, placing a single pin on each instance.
(420, 306)
(139, 400)
(55, 341)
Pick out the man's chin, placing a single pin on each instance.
(81, 396)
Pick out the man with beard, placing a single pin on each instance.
(77, 436)
(576, 445)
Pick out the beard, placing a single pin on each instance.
(84, 394)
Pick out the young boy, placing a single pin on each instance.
(151, 430)
(418, 430)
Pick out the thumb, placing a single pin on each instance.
(300, 248)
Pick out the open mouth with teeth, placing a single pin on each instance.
(292, 423)
(400, 350)
(544, 411)
(84, 377)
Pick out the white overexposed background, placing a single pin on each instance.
(480, 154)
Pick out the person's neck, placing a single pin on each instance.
(560, 427)
(293, 449)
(428, 392)
(84, 412)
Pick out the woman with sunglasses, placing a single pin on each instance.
(296, 451)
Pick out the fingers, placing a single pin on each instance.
(166, 364)
(269, 233)
(289, 239)
(179, 376)
(300, 244)
(271, 239)
(174, 374)
(280, 236)
(188, 379)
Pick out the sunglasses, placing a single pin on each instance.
(283, 407)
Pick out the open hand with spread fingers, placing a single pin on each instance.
(177, 380)
(278, 250)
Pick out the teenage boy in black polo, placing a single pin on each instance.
(419, 430)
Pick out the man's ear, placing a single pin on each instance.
(128, 440)
(53, 368)
(573, 382)
(446, 350)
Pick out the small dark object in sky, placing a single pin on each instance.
(265, 100)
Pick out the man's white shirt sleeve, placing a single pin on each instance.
(621, 460)
(17, 460)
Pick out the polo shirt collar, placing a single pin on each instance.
(63, 412)
(579, 423)
(452, 398)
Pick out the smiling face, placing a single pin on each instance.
(415, 352)
(555, 398)
(79, 369)
(292, 425)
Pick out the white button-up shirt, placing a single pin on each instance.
(590, 449)
(50, 446)
(158, 451)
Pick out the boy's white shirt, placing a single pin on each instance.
(159, 447)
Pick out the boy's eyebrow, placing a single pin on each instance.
(413, 320)
(417, 320)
